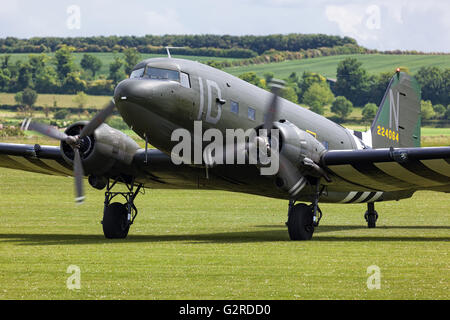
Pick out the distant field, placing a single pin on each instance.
(108, 57)
(430, 137)
(373, 63)
(62, 100)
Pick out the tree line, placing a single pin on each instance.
(273, 55)
(256, 44)
(354, 87)
(60, 74)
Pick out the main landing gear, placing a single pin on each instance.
(118, 217)
(371, 215)
(303, 218)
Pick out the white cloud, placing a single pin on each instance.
(403, 24)
(352, 20)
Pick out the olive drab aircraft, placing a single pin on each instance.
(319, 161)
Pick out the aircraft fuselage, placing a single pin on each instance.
(155, 107)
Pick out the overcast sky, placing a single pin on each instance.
(381, 24)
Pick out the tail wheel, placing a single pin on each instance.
(371, 218)
(115, 221)
(300, 222)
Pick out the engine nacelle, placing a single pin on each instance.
(296, 144)
(301, 153)
(101, 150)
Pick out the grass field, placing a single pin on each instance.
(373, 63)
(62, 100)
(215, 245)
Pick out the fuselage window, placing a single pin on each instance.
(162, 74)
(137, 73)
(234, 107)
(185, 82)
(251, 113)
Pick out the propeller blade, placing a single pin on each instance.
(293, 180)
(44, 129)
(98, 119)
(79, 174)
(272, 108)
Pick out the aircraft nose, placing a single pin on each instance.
(131, 89)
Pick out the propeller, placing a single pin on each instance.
(75, 142)
(289, 176)
(272, 109)
(232, 151)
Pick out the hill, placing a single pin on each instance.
(373, 63)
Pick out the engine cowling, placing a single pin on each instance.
(297, 144)
(101, 150)
(301, 152)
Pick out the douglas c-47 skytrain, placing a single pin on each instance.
(317, 159)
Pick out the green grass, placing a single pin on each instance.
(373, 63)
(62, 100)
(185, 246)
(435, 131)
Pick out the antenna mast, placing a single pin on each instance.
(168, 50)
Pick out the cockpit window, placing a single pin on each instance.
(185, 82)
(137, 73)
(162, 74)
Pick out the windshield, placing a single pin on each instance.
(162, 74)
(137, 73)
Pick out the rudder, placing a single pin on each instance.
(398, 120)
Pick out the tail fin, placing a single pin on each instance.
(398, 120)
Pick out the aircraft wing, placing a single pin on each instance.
(34, 158)
(368, 169)
(48, 160)
(155, 170)
(392, 169)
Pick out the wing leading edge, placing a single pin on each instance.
(155, 170)
(392, 169)
(34, 158)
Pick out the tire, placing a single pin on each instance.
(300, 222)
(372, 220)
(115, 221)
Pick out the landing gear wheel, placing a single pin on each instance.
(115, 221)
(371, 218)
(371, 215)
(300, 222)
(117, 217)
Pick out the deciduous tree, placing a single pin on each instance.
(92, 63)
(342, 107)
